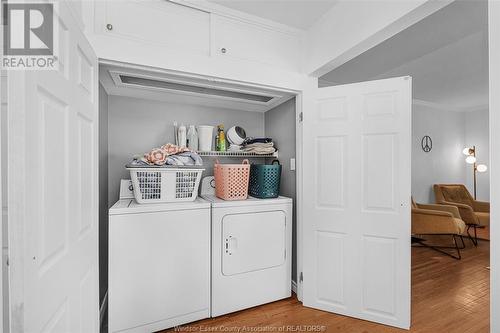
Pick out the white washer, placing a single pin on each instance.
(159, 264)
(251, 251)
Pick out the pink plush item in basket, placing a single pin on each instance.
(158, 156)
(231, 180)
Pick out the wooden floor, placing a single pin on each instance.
(448, 295)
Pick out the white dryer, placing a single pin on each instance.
(251, 251)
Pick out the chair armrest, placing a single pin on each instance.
(466, 212)
(430, 212)
(444, 208)
(429, 222)
(481, 206)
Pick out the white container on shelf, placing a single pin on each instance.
(192, 138)
(181, 134)
(205, 136)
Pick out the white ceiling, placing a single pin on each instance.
(300, 14)
(446, 54)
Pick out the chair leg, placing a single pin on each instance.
(459, 256)
(455, 246)
(473, 239)
(463, 243)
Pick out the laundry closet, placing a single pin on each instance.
(211, 256)
(127, 71)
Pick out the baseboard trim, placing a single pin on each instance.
(102, 309)
(294, 287)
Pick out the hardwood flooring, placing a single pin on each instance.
(448, 296)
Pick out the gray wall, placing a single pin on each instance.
(103, 193)
(477, 133)
(280, 125)
(450, 132)
(445, 162)
(137, 125)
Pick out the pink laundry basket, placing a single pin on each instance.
(231, 180)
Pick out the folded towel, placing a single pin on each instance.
(260, 148)
(251, 140)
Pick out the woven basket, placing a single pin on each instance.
(265, 180)
(231, 180)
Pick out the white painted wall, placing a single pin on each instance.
(445, 162)
(450, 131)
(352, 27)
(494, 104)
(477, 133)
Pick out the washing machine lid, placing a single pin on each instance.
(130, 206)
(251, 201)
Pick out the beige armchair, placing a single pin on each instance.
(437, 220)
(473, 212)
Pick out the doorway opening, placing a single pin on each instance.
(446, 54)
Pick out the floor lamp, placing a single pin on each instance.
(471, 159)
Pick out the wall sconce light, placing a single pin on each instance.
(470, 152)
(470, 159)
(481, 168)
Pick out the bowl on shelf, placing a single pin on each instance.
(236, 135)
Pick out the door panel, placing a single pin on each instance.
(252, 242)
(53, 185)
(356, 211)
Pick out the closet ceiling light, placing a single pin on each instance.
(139, 81)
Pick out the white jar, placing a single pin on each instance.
(181, 134)
(205, 135)
(192, 138)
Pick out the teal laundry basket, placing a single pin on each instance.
(265, 180)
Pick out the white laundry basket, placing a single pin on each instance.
(165, 184)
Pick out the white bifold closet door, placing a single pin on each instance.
(53, 182)
(357, 214)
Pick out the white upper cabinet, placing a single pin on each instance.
(162, 23)
(255, 42)
(188, 37)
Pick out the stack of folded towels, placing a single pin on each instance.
(260, 146)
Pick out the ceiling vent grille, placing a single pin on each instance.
(174, 86)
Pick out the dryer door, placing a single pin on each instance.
(253, 241)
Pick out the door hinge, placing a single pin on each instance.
(301, 277)
(301, 117)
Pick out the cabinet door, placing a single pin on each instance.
(248, 41)
(162, 23)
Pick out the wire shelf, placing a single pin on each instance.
(235, 154)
